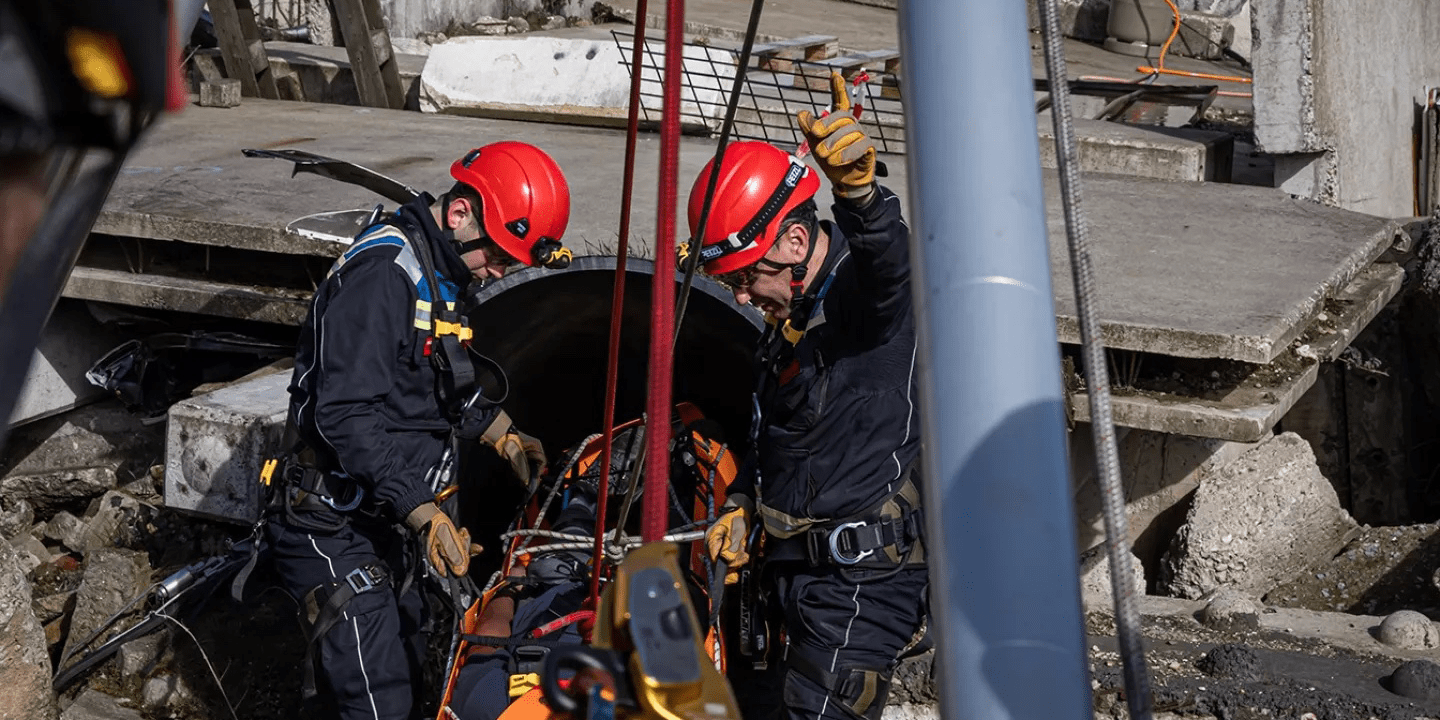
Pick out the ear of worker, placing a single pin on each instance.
(842, 150)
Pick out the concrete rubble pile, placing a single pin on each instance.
(83, 533)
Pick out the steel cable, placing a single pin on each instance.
(1097, 381)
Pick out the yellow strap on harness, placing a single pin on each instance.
(521, 684)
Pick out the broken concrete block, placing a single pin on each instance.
(553, 22)
(913, 682)
(1382, 570)
(24, 660)
(165, 690)
(1230, 610)
(112, 578)
(1259, 522)
(220, 93)
(59, 461)
(1095, 587)
(16, 516)
(139, 657)
(110, 520)
(1408, 630)
(1156, 152)
(53, 606)
(519, 24)
(34, 551)
(1082, 19)
(584, 81)
(67, 530)
(217, 443)
(95, 705)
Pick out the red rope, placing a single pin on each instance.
(662, 292)
(617, 303)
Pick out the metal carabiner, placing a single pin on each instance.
(840, 557)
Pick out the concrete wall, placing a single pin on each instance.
(1337, 81)
(407, 18)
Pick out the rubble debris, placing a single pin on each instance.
(57, 463)
(1230, 610)
(165, 690)
(1383, 569)
(67, 530)
(95, 705)
(1095, 585)
(1417, 680)
(911, 711)
(1231, 661)
(33, 552)
(1408, 630)
(223, 93)
(913, 683)
(17, 515)
(24, 659)
(111, 521)
(112, 578)
(141, 655)
(519, 24)
(1257, 523)
(52, 606)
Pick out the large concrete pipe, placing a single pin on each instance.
(548, 328)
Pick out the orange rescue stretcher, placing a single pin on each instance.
(702, 467)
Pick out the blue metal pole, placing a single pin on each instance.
(1003, 562)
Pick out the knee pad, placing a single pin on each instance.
(862, 691)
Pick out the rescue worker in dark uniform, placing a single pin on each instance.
(381, 372)
(834, 476)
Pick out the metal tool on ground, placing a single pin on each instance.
(164, 599)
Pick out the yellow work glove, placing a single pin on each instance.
(841, 149)
(524, 453)
(725, 540)
(448, 549)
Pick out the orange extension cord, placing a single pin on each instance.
(1160, 69)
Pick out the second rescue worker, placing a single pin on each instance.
(838, 441)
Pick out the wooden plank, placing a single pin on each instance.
(233, 46)
(779, 56)
(816, 75)
(372, 62)
(259, 60)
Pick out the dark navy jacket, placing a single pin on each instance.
(844, 428)
(364, 396)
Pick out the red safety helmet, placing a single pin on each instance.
(759, 184)
(524, 200)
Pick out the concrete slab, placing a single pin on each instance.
(1159, 153)
(1176, 263)
(207, 297)
(1206, 269)
(216, 444)
(71, 342)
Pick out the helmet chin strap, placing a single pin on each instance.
(798, 270)
(461, 248)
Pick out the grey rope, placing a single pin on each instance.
(1097, 380)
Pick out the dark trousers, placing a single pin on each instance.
(842, 641)
(369, 661)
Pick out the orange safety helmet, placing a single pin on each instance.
(524, 200)
(759, 184)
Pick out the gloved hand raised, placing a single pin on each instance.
(841, 148)
(448, 549)
(726, 539)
